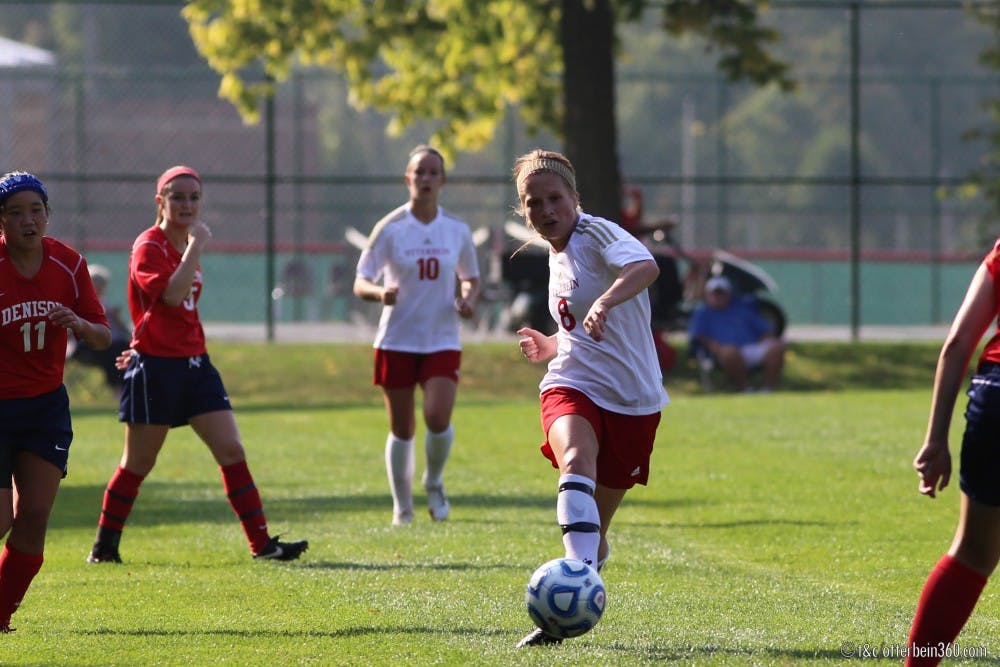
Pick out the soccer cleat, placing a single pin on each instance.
(538, 637)
(278, 550)
(402, 518)
(437, 502)
(103, 554)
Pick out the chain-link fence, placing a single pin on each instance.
(99, 108)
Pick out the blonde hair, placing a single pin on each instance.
(542, 160)
(536, 161)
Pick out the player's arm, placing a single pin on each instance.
(179, 285)
(94, 335)
(465, 304)
(371, 291)
(536, 346)
(634, 277)
(933, 461)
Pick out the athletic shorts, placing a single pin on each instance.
(754, 353)
(41, 425)
(979, 475)
(625, 441)
(398, 370)
(170, 390)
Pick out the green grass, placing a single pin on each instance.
(775, 529)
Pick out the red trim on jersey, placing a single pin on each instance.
(32, 349)
(158, 329)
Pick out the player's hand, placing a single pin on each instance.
(464, 307)
(595, 320)
(534, 345)
(199, 232)
(66, 318)
(933, 465)
(389, 295)
(121, 361)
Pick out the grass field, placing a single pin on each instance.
(776, 529)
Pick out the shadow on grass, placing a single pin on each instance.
(165, 503)
(303, 634)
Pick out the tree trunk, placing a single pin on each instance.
(589, 126)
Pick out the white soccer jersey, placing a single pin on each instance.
(621, 372)
(422, 260)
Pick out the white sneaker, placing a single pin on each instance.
(437, 503)
(402, 518)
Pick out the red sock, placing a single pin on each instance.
(245, 501)
(16, 572)
(118, 499)
(950, 593)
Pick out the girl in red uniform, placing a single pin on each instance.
(955, 583)
(170, 380)
(45, 291)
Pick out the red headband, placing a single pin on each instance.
(174, 172)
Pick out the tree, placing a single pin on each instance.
(986, 180)
(463, 64)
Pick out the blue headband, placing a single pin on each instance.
(21, 181)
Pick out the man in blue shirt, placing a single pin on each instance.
(731, 330)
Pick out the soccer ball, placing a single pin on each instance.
(565, 597)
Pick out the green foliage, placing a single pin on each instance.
(457, 64)
(986, 179)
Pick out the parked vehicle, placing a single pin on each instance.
(673, 297)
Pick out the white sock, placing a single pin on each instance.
(437, 446)
(578, 517)
(399, 465)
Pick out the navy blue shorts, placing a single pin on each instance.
(41, 425)
(170, 390)
(979, 475)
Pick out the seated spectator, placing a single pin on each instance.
(737, 337)
(120, 334)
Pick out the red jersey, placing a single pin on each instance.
(32, 349)
(991, 352)
(158, 329)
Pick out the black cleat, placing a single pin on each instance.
(102, 554)
(538, 637)
(277, 550)
(6, 629)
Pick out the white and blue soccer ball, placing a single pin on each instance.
(565, 597)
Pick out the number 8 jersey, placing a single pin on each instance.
(422, 260)
(621, 372)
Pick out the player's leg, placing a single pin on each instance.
(954, 585)
(219, 432)
(439, 401)
(607, 500)
(574, 445)
(6, 488)
(399, 461)
(143, 443)
(6, 509)
(37, 482)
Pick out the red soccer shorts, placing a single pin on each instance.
(398, 370)
(625, 442)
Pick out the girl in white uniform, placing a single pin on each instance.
(414, 255)
(603, 392)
